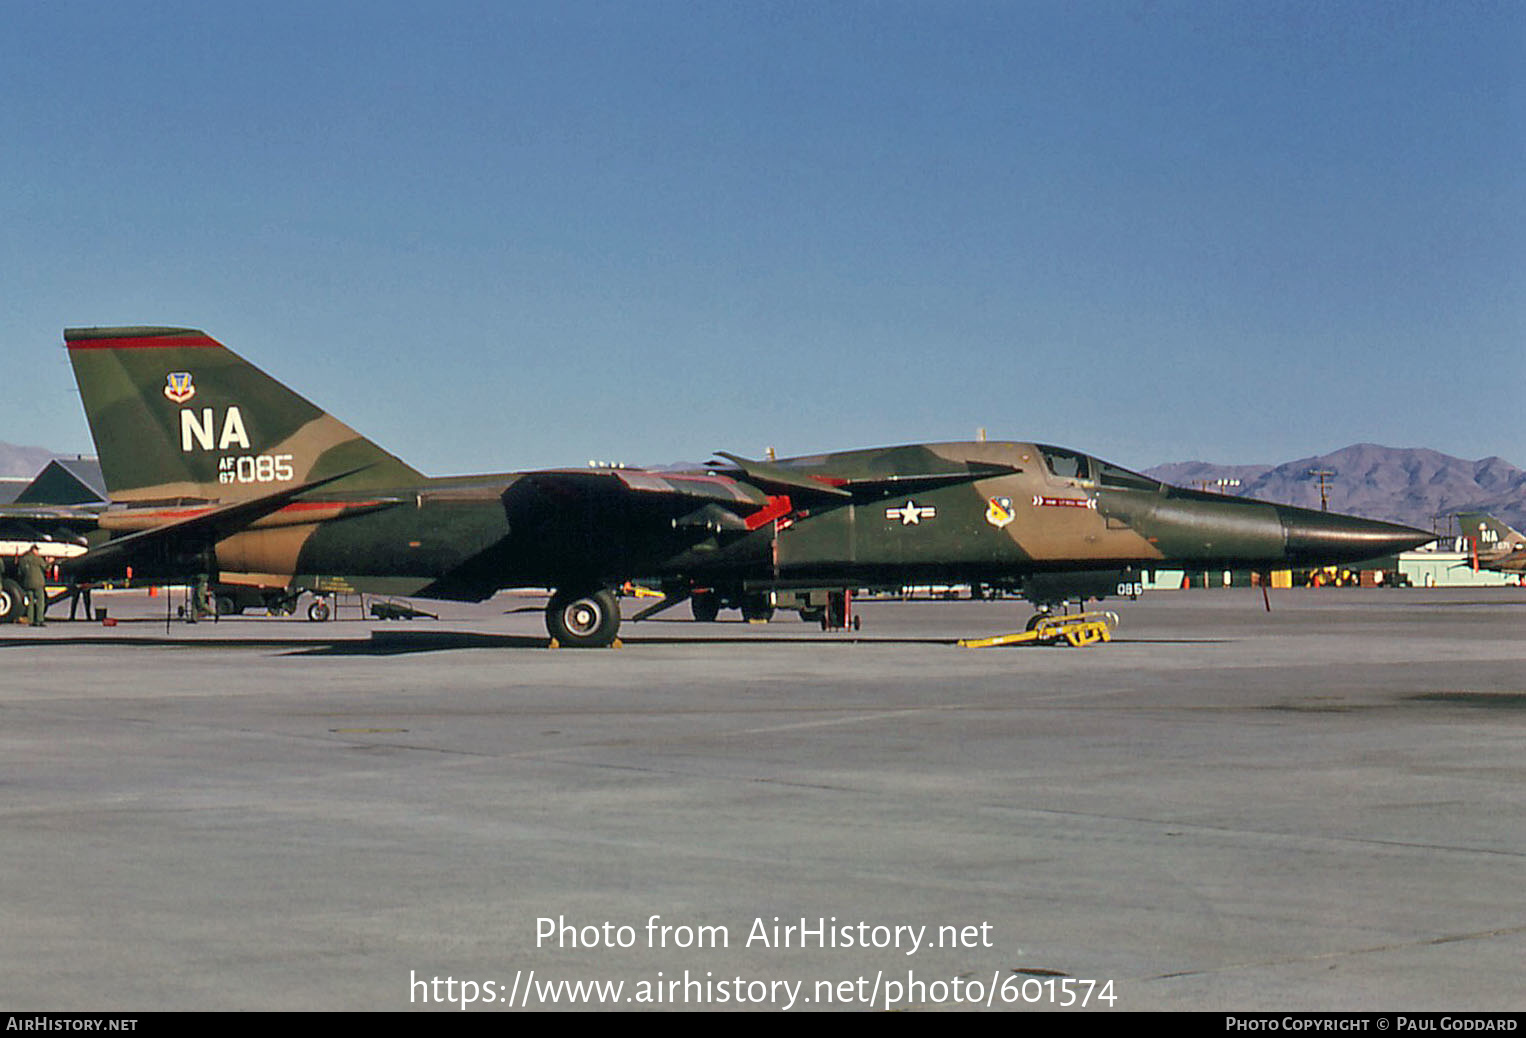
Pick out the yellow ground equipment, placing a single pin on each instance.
(1074, 628)
(637, 591)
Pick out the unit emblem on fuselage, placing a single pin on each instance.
(178, 386)
(999, 511)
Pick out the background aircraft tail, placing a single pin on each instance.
(1488, 534)
(176, 415)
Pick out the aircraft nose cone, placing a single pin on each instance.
(1322, 538)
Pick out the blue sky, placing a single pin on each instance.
(496, 236)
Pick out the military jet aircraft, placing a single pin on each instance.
(1493, 544)
(58, 533)
(214, 467)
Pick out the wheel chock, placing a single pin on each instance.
(1077, 629)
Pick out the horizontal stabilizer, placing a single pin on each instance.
(171, 539)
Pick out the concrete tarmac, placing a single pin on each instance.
(1316, 808)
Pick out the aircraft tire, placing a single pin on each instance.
(836, 616)
(318, 611)
(12, 601)
(705, 606)
(757, 607)
(583, 619)
(227, 605)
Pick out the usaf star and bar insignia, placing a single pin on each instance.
(911, 513)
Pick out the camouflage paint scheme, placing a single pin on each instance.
(213, 466)
(1494, 544)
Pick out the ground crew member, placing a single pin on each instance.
(79, 591)
(201, 597)
(34, 580)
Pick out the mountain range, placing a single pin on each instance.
(24, 462)
(1410, 485)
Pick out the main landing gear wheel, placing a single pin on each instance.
(757, 607)
(705, 606)
(583, 620)
(835, 616)
(12, 601)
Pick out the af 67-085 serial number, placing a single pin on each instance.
(255, 468)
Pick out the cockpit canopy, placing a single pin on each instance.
(1064, 463)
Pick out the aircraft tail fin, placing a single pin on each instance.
(176, 415)
(1489, 534)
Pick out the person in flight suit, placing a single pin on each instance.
(35, 582)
